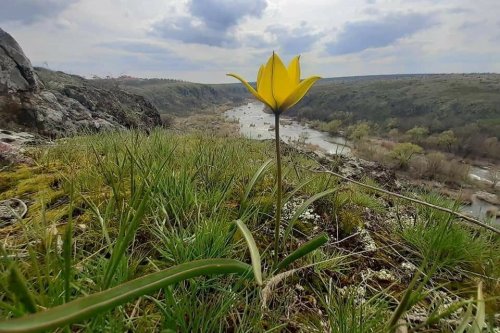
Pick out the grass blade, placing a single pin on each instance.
(479, 320)
(88, 306)
(296, 189)
(303, 250)
(67, 243)
(254, 251)
(254, 179)
(302, 209)
(466, 318)
(17, 286)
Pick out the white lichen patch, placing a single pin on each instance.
(367, 240)
(382, 275)
(408, 268)
(358, 292)
(291, 207)
(437, 301)
(395, 219)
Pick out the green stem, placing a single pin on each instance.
(278, 196)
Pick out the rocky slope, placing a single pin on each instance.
(177, 97)
(57, 104)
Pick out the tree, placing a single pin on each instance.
(393, 134)
(359, 131)
(332, 127)
(403, 152)
(494, 177)
(491, 147)
(417, 133)
(392, 123)
(447, 139)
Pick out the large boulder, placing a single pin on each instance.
(16, 72)
(58, 104)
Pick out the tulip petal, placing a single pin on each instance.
(265, 86)
(294, 70)
(281, 83)
(259, 75)
(299, 92)
(250, 89)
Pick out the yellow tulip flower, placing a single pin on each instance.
(279, 87)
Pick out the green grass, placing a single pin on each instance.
(108, 208)
(447, 243)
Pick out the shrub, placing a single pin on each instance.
(417, 134)
(403, 152)
(359, 131)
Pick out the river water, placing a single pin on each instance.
(256, 124)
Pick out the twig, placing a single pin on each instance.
(24, 209)
(272, 283)
(23, 205)
(460, 215)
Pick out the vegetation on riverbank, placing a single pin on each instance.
(406, 153)
(456, 113)
(191, 188)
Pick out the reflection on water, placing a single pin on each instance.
(478, 208)
(256, 124)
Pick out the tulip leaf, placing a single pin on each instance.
(303, 250)
(254, 251)
(88, 306)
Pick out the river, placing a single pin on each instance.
(256, 124)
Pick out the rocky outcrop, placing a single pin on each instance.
(16, 72)
(488, 197)
(57, 104)
(12, 149)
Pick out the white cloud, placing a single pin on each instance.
(202, 40)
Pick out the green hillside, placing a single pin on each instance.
(438, 101)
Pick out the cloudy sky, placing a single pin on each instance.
(201, 40)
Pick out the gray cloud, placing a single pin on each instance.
(187, 30)
(295, 40)
(210, 22)
(362, 35)
(467, 25)
(459, 10)
(223, 14)
(29, 11)
(134, 47)
(147, 56)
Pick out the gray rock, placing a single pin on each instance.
(16, 72)
(488, 197)
(16, 138)
(58, 104)
(12, 154)
(11, 210)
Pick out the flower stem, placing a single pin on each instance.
(278, 196)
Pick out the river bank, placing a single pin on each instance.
(254, 123)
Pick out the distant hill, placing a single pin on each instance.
(436, 101)
(178, 97)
